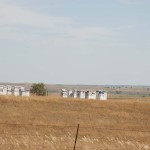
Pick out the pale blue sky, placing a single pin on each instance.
(75, 41)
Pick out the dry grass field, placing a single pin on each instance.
(50, 123)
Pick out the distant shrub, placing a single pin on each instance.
(38, 89)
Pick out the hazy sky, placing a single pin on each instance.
(75, 41)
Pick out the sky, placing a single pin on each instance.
(97, 42)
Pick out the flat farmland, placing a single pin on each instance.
(50, 123)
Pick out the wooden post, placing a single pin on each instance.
(76, 138)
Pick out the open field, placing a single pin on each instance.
(50, 123)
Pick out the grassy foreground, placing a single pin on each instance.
(50, 123)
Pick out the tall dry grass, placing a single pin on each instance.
(51, 122)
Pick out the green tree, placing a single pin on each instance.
(38, 89)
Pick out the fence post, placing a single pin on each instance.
(76, 138)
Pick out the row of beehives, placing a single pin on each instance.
(14, 90)
(84, 94)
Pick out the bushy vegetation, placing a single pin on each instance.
(38, 89)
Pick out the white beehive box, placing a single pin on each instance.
(16, 91)
(4, 90)
(102, 95)
(27, 92)
(91, 94)
(70, 93)
(9, 90)
(1, 90)
(75, 94)
(82, 94)
(64, 93)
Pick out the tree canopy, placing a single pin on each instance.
(38, 89)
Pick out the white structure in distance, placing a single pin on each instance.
(3, 90)
(64, 93)
(102, 95)
(91, 95)
(84, 94)
(75, 94)
(9, 90)
(14, 90)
